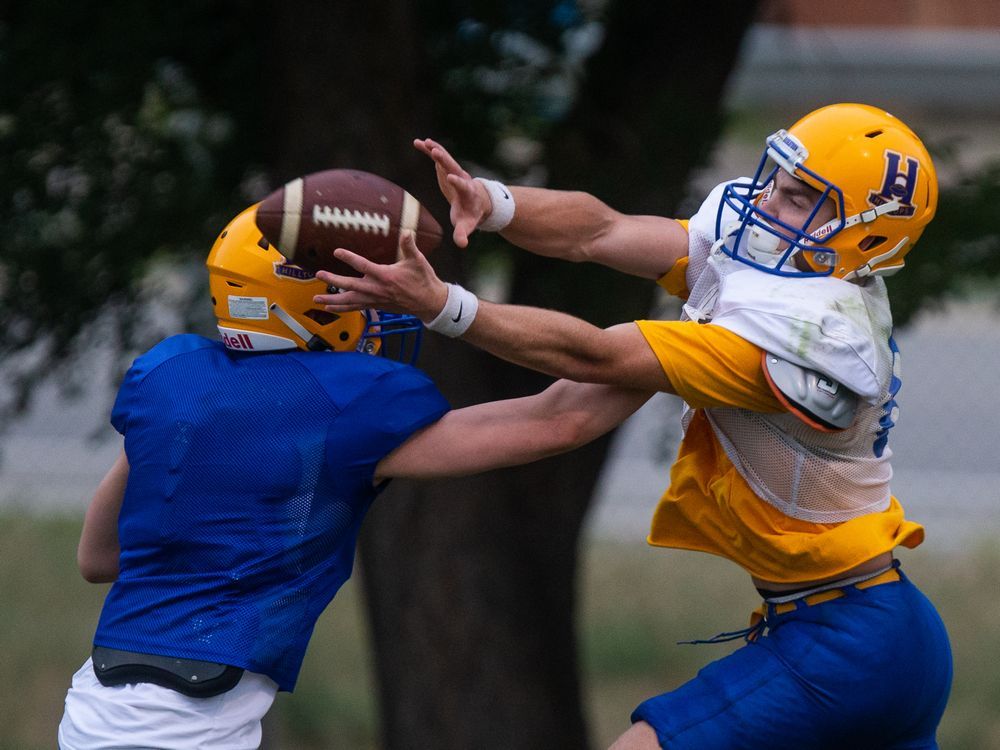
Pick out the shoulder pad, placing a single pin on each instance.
(817, 400)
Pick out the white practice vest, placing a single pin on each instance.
(837, 328)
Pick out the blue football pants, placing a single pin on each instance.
(871, 669)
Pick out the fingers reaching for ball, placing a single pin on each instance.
(467, 198)
(407, 286)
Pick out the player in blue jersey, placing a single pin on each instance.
(229, 522)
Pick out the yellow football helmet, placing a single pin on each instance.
(263, 303)
(873, 168)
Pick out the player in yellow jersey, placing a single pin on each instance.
(785, 360)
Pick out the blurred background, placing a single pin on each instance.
(520, 609)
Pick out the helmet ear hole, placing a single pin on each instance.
(870, 242)
(322, 317)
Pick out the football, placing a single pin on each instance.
(311, 216)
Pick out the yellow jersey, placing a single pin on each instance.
(709, 506)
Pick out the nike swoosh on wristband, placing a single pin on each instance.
(459, 316)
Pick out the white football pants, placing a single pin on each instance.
(143, 716)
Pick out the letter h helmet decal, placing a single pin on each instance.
(897, 184)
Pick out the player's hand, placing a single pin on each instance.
(469, 201)
(407, 286)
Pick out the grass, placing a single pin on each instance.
(636, 602)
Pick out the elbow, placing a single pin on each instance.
(581, 358)
(95, 576)
(98, 575)
(94, 569)
(590, 367)
(595, 248)
(570, 431)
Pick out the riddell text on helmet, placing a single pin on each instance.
(238, 341)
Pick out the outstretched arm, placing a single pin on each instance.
(544, 340)
(97, 554)
(516, 431)
(573, 226)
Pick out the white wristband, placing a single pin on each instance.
(503, 206)
(457, 314)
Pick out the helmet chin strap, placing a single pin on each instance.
(867, 216)
(868, 270)
(313, 343)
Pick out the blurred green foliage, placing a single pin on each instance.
(959, 251)
(141, 132)
(128, 139)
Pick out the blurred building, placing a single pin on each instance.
(933, 14)
(921, 58)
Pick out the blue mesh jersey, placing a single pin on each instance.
(249, 477)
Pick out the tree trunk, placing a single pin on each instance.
(470, 589)
(470, 583)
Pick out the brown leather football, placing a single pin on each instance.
(311, 216)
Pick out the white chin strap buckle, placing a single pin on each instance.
(761, 244)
